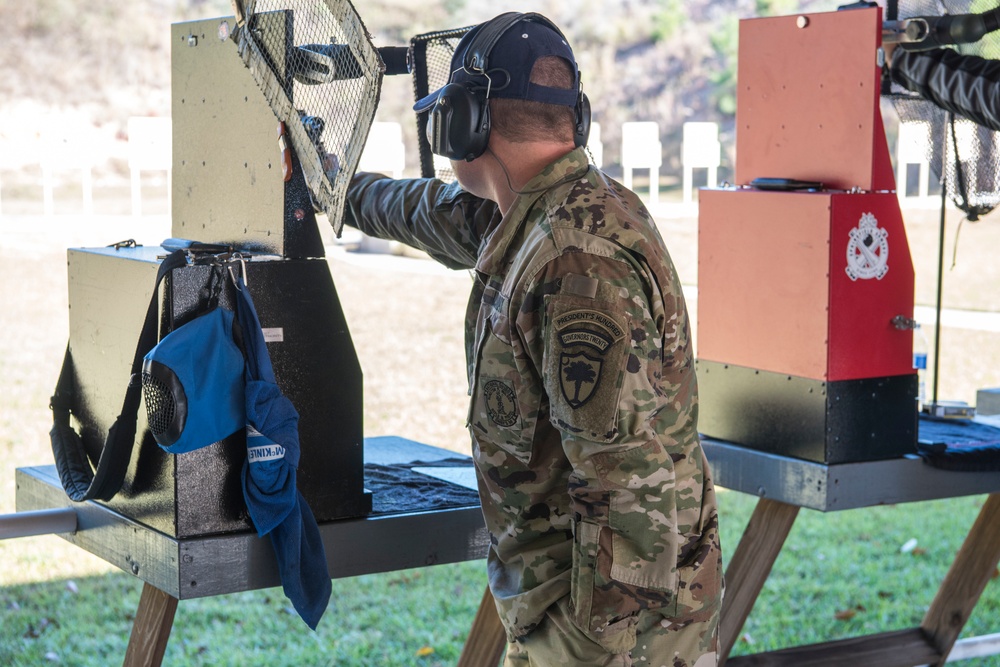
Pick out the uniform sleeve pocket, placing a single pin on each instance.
(642, 516)
(584, 570)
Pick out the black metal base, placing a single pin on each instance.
(828, 422)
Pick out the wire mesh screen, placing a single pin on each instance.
(965, 154)
(431, 69)
(322, 76)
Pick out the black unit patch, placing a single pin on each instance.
(579, 374)
(501, 403)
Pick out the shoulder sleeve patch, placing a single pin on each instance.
(590, 327)
(584, 363)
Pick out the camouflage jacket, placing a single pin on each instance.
(583, 408)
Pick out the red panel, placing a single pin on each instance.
(871, 281)
(807, 100)
(762, 280)
(804, 284)
(883, 177)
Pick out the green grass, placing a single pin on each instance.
(413, 617)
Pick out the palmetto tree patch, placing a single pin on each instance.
(578, 377)
(584, 329)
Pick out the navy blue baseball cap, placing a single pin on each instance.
(504, 67)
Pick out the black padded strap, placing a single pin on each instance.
(72, 463)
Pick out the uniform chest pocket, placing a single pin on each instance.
(506, 397)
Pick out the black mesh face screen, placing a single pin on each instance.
(965, 153)
(160, 406)
(431, 69)
(166, 402)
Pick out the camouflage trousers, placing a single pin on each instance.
(650, 639)
(655, 641)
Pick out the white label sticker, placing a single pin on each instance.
(274, 335)
(265, 453)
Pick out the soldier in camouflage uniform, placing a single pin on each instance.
(583, 414)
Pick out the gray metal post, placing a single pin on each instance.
(37, 522)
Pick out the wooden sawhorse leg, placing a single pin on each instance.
(151, 628)
(750, 566)
(969, 573)
(487, 638)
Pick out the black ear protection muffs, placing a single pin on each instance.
(459, 123)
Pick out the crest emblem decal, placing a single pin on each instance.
(867, 250)
(579, 374)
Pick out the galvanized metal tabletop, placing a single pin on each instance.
(842, 486)
(784, 485)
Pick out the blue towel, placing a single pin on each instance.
(275, 504)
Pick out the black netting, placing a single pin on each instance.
(160, 407)
(431, 69)
(321, 75)
(966, 155)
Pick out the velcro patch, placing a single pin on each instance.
(585, 358)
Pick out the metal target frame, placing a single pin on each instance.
(322, 78)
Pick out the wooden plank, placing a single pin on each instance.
(151, 628)
(750, 565)
(487, 638)
(229, 563)
(903, 648)
(959, 592)
(792, 481)
(121, 541)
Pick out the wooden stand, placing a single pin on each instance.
(487, 638)
(175, 569)
(399, 541)
(804, 484)
(151, 628)
(155, 618)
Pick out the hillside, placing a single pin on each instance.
(82, 69)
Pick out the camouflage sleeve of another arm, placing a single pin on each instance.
(441, 219)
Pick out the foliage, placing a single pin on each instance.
(776, 7)
(669, 18)
(724, 43)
